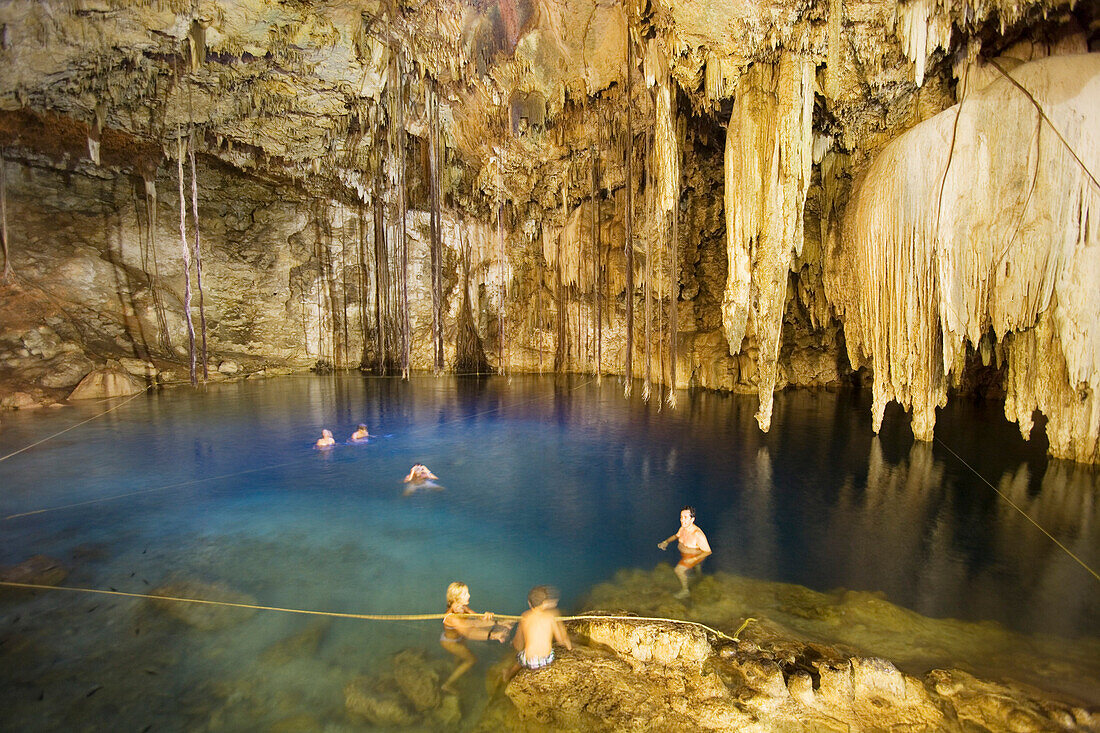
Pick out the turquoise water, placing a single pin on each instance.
(543, 481)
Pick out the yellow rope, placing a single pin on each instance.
(360, 616)
(1021, 511)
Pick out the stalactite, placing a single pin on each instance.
(503, 287)
(674, 271)
(361, 279)
(469, 354)
(4, 219)
(559, 295)
(150, 252)
(381, 272)
(597, 265)
(198, 256)
(343, 361)
(768, 157)
(979, 224)
(628, 381)
(595, 234)
(647, 286)
(397, 98)
(186, 261)
(432, 104)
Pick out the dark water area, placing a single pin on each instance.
(543, 480)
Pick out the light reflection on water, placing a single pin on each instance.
(545, 480)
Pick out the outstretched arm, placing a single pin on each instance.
(561, 635)
(664, 544)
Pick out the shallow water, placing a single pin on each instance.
(543, 481)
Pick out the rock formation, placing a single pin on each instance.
(736, 196)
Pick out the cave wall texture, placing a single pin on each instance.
(734, 196)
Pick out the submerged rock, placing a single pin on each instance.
(37, 570)
(203, 616)
(379, 705)
(416, 679)
(302, 644)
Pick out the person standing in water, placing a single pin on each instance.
(326, 440)
(360, 434)
(693, 546)
(457, 629)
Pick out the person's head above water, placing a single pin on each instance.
(362, 427)
(541, 594)
(687, 515)
(326, 433)
(457, 593)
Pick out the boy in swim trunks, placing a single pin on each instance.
(539, 627)
(693, 546)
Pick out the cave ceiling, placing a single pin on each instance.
(297, 91)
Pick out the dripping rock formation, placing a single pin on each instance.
(731, 196)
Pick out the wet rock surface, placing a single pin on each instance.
(647, 675)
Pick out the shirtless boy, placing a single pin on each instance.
(693, 546)
(360, 434)
(539, 627)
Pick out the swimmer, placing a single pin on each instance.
(359, 435)
(418, 474)
(693, 546)
(326, 440)
(539, 627)
(457, 629)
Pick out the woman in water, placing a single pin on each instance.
(326, 440)
(457, 629)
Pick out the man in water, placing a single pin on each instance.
(360, 434)
(326, 440)
(693, 546)
(539, 627)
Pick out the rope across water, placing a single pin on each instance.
(361, 616)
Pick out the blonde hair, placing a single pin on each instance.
(454, 590)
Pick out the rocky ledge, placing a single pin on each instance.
(667, 675)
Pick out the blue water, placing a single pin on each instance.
(543, 481)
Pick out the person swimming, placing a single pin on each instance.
(420, 478)
(326, 440)
(693, 547)
(419, 474)
(457, 629)
(360, 435)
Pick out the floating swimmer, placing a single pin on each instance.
(420, 478)
(693, 546)
(419, 474)
(360, 435)
(456, 630)
(326, 440)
